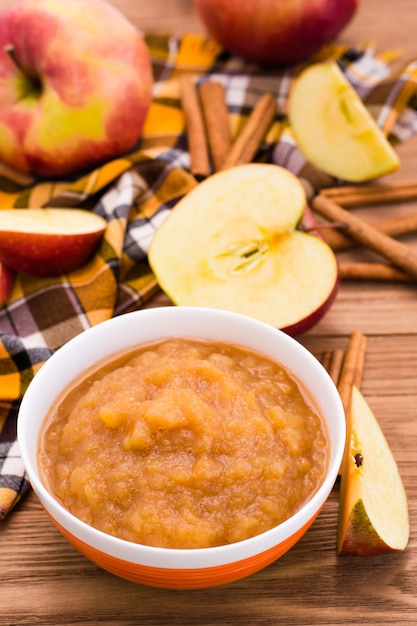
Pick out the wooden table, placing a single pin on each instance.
(43, 580)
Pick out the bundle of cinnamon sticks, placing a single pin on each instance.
(400, 260)
(209, 137)
(346, 367)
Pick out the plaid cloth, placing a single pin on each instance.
(136, 192)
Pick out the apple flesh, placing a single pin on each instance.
(48, 242)
(231, 243)
(7, 279)
(75, 85)
(333, 128)
(373, 512)
(275, 31)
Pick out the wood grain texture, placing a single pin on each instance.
(44, 581)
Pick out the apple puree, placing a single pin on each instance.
(184, 444)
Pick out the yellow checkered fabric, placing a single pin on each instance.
(135, 192)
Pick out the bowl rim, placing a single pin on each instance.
(178, 558)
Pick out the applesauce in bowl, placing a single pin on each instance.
(185, 444)
(98, 352)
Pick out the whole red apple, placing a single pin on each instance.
(75, 85)
(275, 31)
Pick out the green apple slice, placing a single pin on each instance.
(231, 243)
(333, 128)
(373, 512)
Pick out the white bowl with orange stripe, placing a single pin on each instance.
(170, 567)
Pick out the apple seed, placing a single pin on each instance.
(358, 459)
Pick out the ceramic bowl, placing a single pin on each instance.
(178, 568)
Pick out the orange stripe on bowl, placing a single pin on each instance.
(176, 578)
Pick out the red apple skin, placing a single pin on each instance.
(7, 280)
(309, 222)
(311, 320)
(41, 254)
(275, 32)
(95, 85)
(361, 539)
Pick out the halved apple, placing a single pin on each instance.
(7, 278)
(232, 243)
(373, 512)
(47, 242)
(333, 128)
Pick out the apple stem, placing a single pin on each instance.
(11, 51)
(34, 83)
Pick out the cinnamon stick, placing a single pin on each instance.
(366, 195)
(335, 368)
(360, 362)
(247, 143)
(371, 271)
(326, 360)
(396, 252)
(352, 368)
(196, 134)
(332, 362)
(216, 119)
(393, 226)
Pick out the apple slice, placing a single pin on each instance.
(333, 128)
(7, 278)
(47, 242)
(231, 243)
(373, 512)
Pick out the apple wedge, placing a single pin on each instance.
(333, 128)
(373, 511)
(232, 243)
(47, 242)
(7, 278)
